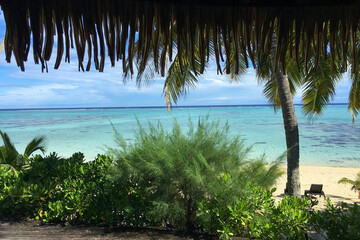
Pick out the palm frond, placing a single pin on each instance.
(37, 143)
(237, 65)
(355, 183)
(354, 95)
(8, 153)
(183, 74)
(265, 74)
(177, 82)
(271, 93)
(319, 86)
(2, 153)
(8, 144)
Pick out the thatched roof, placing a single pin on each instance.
(133, 30)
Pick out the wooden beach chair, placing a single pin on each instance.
(315, 189)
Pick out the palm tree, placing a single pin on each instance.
(318, 79)
(355, 183)
(9, 156)
(290, 124)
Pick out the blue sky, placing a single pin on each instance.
(67, 87)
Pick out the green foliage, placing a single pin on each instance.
(338, 222)
(354, 94)
(10, 156)
(257, 216)
(355, 183)
(56, 189)
(319, 85)
(317, 78)
(178, 171)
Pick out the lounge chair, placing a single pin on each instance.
(315, 189)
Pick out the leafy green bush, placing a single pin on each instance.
(178, 171)
(9, 190)
(338, 222)
(56, 189)
(257, 216)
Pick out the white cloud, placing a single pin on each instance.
(39, 91)
(32, 95)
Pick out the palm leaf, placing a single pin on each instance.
(271, 93)
(8, 151)
(319, 86)
(355, 184)
(180, 77)
(237, 68)
(265, 74)
(354, 95)
(2, 153)
(35, 144)
(177, 82)
(7, 142)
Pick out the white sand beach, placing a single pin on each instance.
(329, 177)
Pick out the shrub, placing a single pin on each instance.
(338, 222)
(10, 189)
(257, 216)
(178, 171)
(56, 189)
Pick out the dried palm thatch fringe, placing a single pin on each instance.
(130, 30)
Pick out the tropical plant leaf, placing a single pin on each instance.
(319, 86)
(9, 155)
(265, 74)
(354, 95)
(35, 144)
(181, 77)
(7, 142)
(237, 69)
(355, 183)
(271, 93)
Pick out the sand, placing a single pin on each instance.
(328, 176)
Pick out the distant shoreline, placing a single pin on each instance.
(149, 107)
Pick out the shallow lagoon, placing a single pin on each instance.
(330, 140)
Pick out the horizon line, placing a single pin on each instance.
(148, 107)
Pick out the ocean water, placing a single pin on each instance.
(330, 140)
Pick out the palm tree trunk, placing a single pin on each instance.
(290, 125)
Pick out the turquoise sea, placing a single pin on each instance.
(330, 140)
